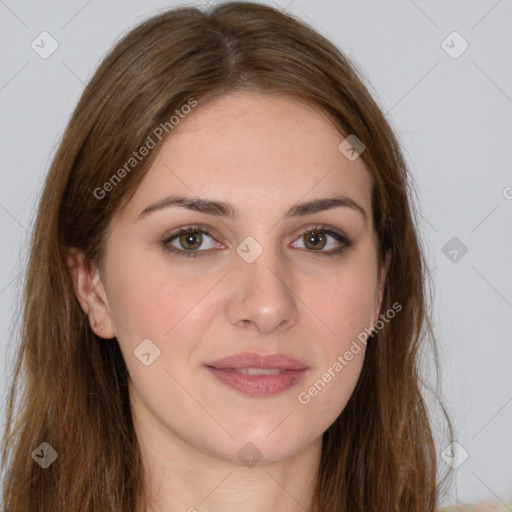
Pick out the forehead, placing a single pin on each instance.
(261, 152)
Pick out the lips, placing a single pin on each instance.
(254, 360)
(258, 375)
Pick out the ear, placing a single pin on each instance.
(90, 293)
(383, 270)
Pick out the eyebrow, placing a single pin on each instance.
(224, 209)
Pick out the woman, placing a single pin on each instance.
(276, 365)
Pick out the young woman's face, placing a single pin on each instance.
(263, 267)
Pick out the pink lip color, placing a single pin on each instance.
(292, 371)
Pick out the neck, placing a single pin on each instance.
(181, 477)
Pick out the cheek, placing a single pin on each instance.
(343, 301)
(149, 300)
(345, 308)
(156, 303)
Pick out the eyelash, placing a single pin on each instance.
(340, 237)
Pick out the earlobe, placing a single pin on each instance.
(90, 294)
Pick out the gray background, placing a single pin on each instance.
(453, 117)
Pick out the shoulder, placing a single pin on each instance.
(478, 507)
(457, 508)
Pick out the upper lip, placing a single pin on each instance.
(254, 360)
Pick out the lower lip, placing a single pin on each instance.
(259, 385)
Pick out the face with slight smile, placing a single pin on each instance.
(211, 292)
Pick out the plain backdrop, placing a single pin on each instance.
(441, 70)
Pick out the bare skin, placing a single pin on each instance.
(262, 155)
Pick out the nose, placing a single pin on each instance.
(262, 295)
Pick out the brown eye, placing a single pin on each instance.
(191, 240)
(323, 241)
(315, 240)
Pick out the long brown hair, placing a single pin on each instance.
(70, 387)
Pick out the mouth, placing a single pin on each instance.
(258, 375)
